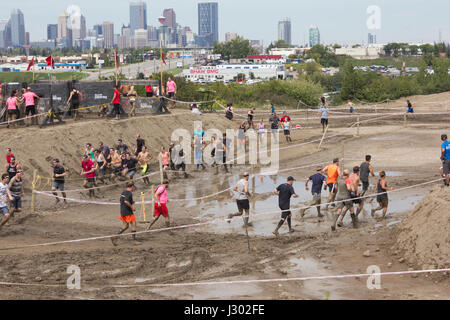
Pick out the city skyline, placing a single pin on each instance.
(415, 22)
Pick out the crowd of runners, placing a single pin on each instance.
(347, 190)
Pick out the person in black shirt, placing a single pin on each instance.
(127, 210)
(121, 147)
(274, 126)
(58, 179)
(129, 166)
(139, 144)
(285, 191)
(318, 181)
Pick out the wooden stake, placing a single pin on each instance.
(33, 195)
(404, 120)
(357, 127)
(153, 199)
(143, 206)
(323, 137)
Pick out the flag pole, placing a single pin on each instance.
(161, 67)
(33, 69)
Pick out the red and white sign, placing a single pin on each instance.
(204, 71)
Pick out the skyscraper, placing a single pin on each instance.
(314, 36)
(372, 38)
(208, 23)
(285, 30)
(108, 34)
(138, 16)
(98, 28)
(78, 27)
(62, 25)
(5, 33)
(52, 31)
(17, 28)
(171, 18)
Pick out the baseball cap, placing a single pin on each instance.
(246, 174)
(291, 179)
(346, 172)
(55, 160)
(172, 144)
(444, 137)
(319, 168)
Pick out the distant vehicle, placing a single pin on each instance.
(179, 65)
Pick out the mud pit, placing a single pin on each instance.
(218, 252)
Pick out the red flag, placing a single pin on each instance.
(30, 64)
(162, 57)
(50, 61)
(116, 59)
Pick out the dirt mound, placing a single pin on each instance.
(424, 236)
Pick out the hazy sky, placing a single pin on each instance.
(339, 21)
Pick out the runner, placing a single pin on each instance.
(101, 164)
(149, 88)
(144, 158)
(161, 205)
(410, 107)
(285, 191)
(74, 101)
(31, 100)
(178, 159)
(171, 91)
(116, 102)
(382, 196)
(58, 180)
(318, 180)
(171, 155)
(333, 171)
(354, 193)
(199, 146)
(139, 144)
(88, 171)
(324, 114)
(251, 114)
(121, 147)
(274, 125)
(286, 121)
(116, 164)
(104, 148)
(272, 109)
(132, 94)
(165, 156)
(17, 192)
(12, 104)
(350, 106)
(127, 211)
(9, 155)
(241, 137)
(366, 169)
(243, 193)
(229, 111)
(129, 166)
(220, 154)
(89, 151)
(12, 167)
(445, 157)
(343, 198)
(5, 198)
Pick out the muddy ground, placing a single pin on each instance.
(219, 251)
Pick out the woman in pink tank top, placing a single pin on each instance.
(12, 104)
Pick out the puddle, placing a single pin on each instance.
(178, 265)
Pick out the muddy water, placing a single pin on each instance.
(265, 213)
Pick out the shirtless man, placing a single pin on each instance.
(144, 158)
(116, 163)
(354, 184)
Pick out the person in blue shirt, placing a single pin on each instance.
(272, 108)
(445, 157)
(410, 107)
(318, 180)
(324, 114)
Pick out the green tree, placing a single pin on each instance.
(235, 49)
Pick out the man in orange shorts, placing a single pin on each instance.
(161, 204)
(127, 210)
(333, 171)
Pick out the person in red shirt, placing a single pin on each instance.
(88, 170)
(116, 102)
(9, 155)
(149, 88)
